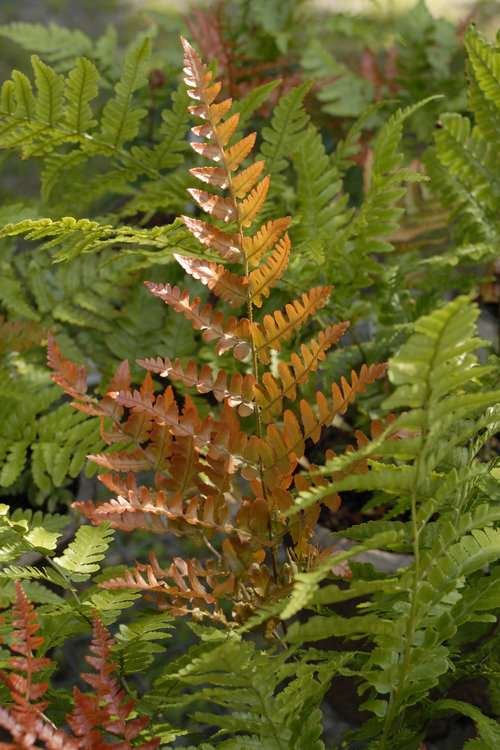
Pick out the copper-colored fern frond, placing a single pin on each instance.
(268, 274)
(222, 242)
(70, 377)
(206, 26)
(178, 588)
(123, 461)
(229, 334)
(272, 391)
(26, 737)
(246, 194)
(280, 325)
(158, 511)
(163, 409)
(109, 705)
(238, 389)
(24, 684)
(226, 285)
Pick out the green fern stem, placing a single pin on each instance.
(393, 711)
(394, 701)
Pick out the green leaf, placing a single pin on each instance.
(50, 93)
(81, 88)
(120, 118)
(83, 555)
(287, 128)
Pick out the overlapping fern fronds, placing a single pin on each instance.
(462, 163)
(198, 460)
(98, 720)
(429, 471)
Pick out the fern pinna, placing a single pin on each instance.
(215, 478)
(98, 720)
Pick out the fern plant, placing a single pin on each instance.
(424, 466)
(100, 719)
(224, 474)
(207, 465)
(462, 161)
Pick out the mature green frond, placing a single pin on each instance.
(56, 44)
(138, 644)
(243, 681)
(167, 153)
(318, 186)
(306, 584)
(70, 237)
(120, 118)
(81, 89)
(281, 138)
(343, 93)
(82, 555)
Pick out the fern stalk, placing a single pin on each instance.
(394, 700)
(249, 307)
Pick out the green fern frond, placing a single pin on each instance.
(318, 187)
(282, 137)
(82, 555)
(488, 729)
(71, 237)
(167, 153)
(81, 89)
(242, 680)
(306, 584)
(138, 644)
(120, 118)
(56, 44)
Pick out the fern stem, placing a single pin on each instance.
(269, 720)
(71, 589)
(255, 361)
(395, 699)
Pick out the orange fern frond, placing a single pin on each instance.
(238, 389)
(230, 334)
(226, 285)
(109, 705)
(267, 275)
(158, 511)
(222, 242)
(283, 446)
(279, 326)
(23, 682)
(272, 391)
(243, 182)
(257, 246)
(178, 587)
(28, 737)
(250, 207)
